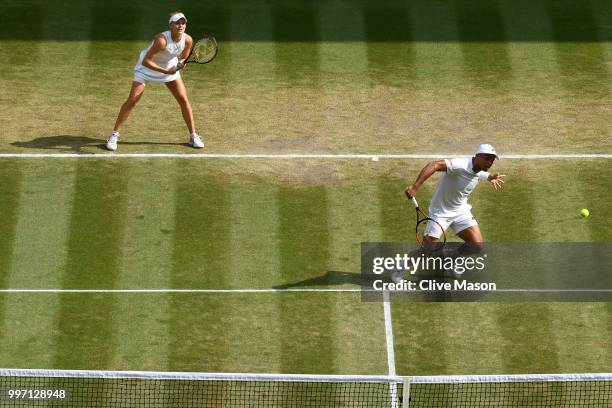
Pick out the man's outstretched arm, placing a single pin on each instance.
(426, 172)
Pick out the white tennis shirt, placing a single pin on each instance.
(453, 189)
(165, 59)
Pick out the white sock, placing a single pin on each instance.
(114, 133)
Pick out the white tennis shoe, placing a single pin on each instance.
(195, 141)
(111, 144)
(397, 275)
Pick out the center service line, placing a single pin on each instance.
(390, 348)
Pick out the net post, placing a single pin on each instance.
(406, 393)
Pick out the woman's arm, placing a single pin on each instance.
(159, 44)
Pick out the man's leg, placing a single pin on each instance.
(474, 242)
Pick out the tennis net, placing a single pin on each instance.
(70, 388)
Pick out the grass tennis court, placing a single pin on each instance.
(144, 223)
(322, 77)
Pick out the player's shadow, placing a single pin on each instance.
(75, 144)
(331, 278)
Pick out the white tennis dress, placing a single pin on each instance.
(166, 59)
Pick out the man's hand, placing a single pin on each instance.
(496, 180)
(180, 65)
(410, 191)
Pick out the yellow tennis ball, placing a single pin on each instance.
(584, 212)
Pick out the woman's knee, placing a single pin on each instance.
(184, 102)
(131, 102)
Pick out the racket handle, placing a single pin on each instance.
(414, 202)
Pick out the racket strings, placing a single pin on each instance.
(423, 222)
(204, 50)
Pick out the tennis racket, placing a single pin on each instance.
(420, 226)
(203, 51)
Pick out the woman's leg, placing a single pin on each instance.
(132, 99)
(177, 88)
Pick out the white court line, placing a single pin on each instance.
(176, 290)
(286, 290)
(369, 156)
(389, 335)
(390, 348)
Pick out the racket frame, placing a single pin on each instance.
(425, 219)
(207, 36)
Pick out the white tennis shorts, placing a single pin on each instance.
(458, 223)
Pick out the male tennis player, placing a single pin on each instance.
(161, 62)
(449, 206)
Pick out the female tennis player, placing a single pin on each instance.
(161, 62)
(449, 206)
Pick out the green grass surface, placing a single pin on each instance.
(323, 76)
(167, 223)
(295, 76)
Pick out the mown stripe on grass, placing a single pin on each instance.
(584, 66)
(304, 254)
(85, 324)
(345, 205)
(200, 259)
(242, 17)
(532, 80)
(141, 331)
(437, 63)
(341, 58)
(525, 21)
(526, 329)
(390, 63)
(295, 22)
(10, 186)
(249, 78)
(114, 20)
(344, 86)
(213, 18)
(527, 338)
(580, 328)
(15, 14)
(251, 323)
(419, 333)
(201, 227)
(470, 345)
(581, 336)
(397, 214)
(68, 23)
(486, 61)
(254, 236)
(297, 62)
(38, 260)
(592, 181)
